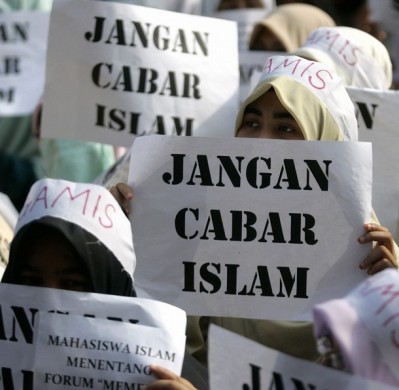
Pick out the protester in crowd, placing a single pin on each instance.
(320, 109)
(356, 56)
(308, 114)
(287, 27)
(67, 225)
(74, 236)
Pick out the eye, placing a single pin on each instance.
(75, 284)
(250, 123)
(30, 279)
(287, 129)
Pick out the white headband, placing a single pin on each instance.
(87, 205)
(322, 81)
(359, 58)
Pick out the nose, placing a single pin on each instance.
(52, 283)
(266, 132)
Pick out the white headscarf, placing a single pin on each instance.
(359, 58)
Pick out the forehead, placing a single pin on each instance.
(52, 243)
(42, 244)
(266, 102)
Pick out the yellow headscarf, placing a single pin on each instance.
(292, 23)
(313, 94)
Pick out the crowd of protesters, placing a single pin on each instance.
(52, 249)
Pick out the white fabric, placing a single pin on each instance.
(88, 205)
(364, 327)
(359, 58)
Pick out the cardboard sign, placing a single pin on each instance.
(23, 42)
(136, 71)
(248, 228)
(257, 367)
(101, 355)
(19, 323)
(376, 113)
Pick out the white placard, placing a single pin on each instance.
(23, 43)
(20, 307)
(257, 367)
(249, 228)
(376, 113)
(136, 71)
(73, 351)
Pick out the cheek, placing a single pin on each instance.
(297, 137)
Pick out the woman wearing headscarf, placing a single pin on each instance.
(360, 59)
(287, 27)
(296, 99)
(72, 236)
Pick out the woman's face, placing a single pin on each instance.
(267, 118)
(52, 262)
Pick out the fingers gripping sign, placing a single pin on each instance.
(123, 194)
(383, 254)
(168, 380)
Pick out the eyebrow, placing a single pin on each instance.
(277, 115)
(68, 270)
(283, 115)
(252, 110)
